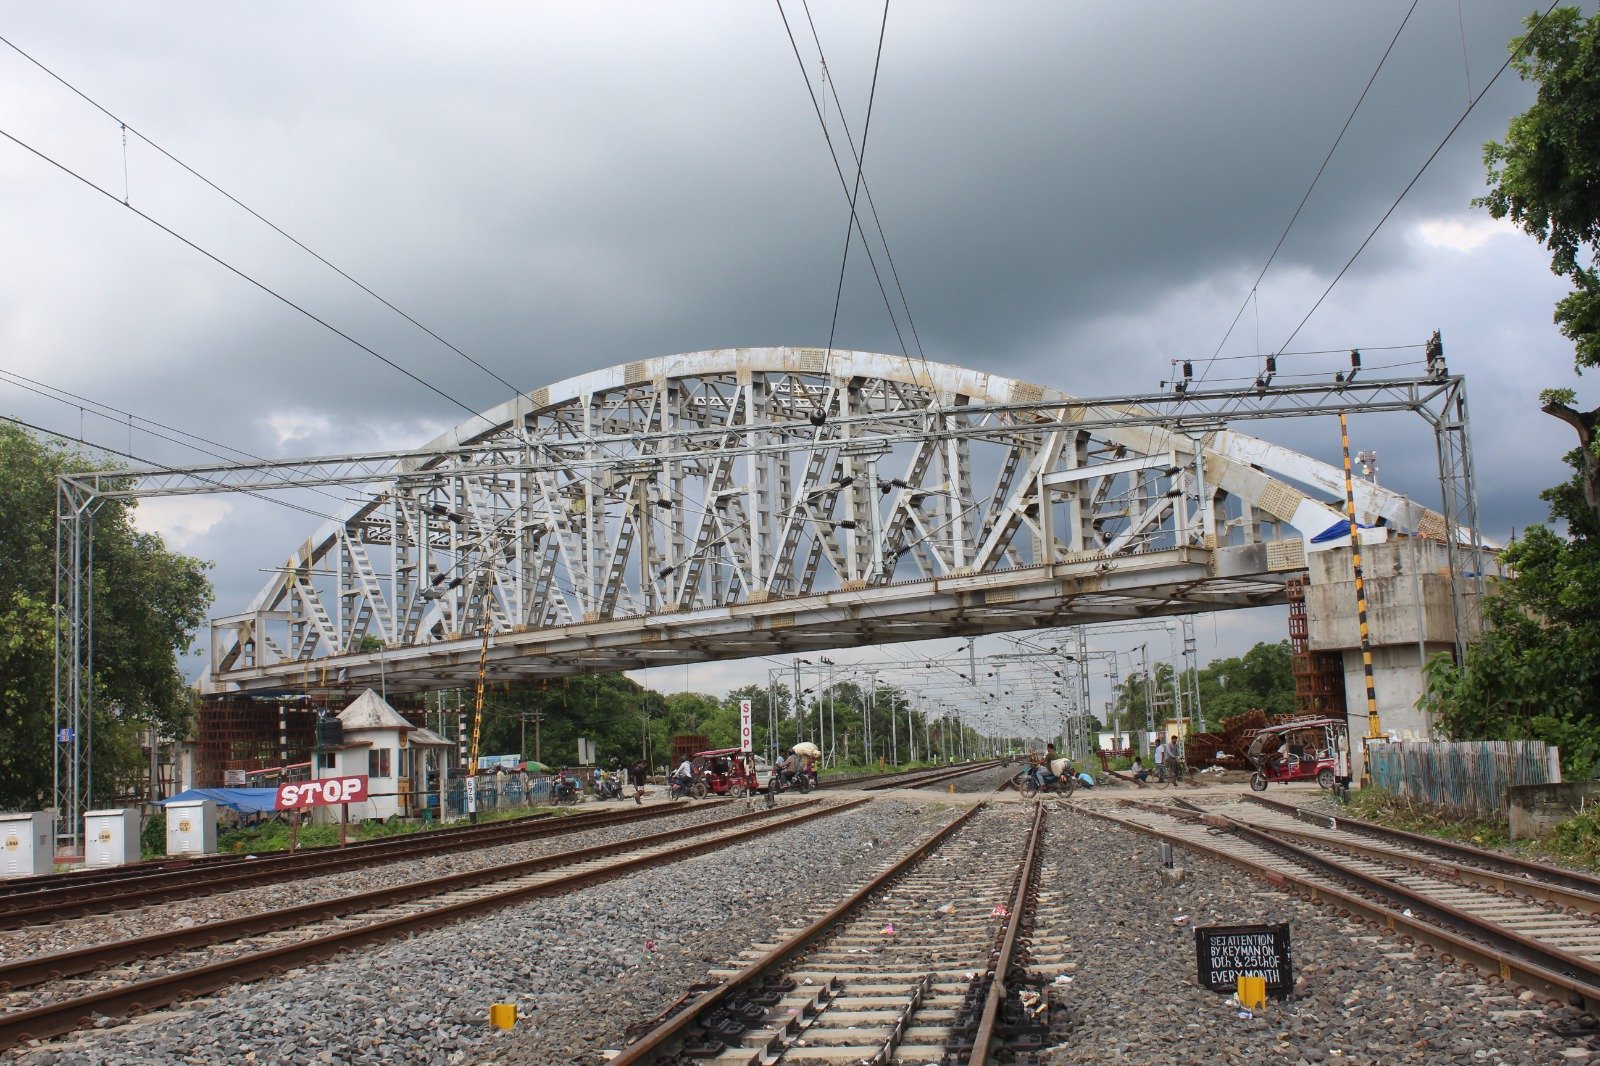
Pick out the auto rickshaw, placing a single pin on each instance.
(728, 772)
(1306, 749)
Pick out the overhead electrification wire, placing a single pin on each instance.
(851, 223)
(158, 467)
(844, 183)
(1311, 188)
(72, 399)
(263, 286)
(127, 129)
(1420, 171)
(866, 187)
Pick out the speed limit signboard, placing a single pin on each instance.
(746, 736)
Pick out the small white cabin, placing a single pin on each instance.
(398, 758)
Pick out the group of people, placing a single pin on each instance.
(1047, 770)
(1166, 757)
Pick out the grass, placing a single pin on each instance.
(1574, 842)
(274, 835)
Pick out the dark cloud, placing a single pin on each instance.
(1074, 194)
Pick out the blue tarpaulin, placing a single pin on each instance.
(1339, 529)
(243, 800)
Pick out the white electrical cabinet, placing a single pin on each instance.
(192, 827)
(111, 838)
(27, 844)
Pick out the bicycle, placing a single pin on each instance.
(1173, 773)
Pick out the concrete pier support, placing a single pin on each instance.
(1409, 618)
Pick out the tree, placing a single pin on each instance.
(147, 604)
(1546, 179)
(1535, 673)
(1260, 679)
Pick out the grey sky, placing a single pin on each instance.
(1075, 194)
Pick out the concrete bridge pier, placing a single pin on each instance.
(1409, 618)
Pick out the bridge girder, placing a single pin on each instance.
(752, 501)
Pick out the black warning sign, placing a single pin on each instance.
(1224, 953)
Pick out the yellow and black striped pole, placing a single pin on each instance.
(1374, 727)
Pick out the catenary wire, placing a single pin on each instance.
(127, 129)
(157, 467)
(1420, 171)
(844, 183)
(1312, 187)
(866, 187)
(324, 323)
(852, 223)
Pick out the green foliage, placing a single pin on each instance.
(147, 603)
(153, 837)
(1535, 673)
(1576, 840)
(1546, 176)
(1260, 679)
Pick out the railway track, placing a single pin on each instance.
(915, 967)
(1543, 935)
(908, 778)
(77, 896)
(316, 932)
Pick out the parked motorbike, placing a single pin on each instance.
(608, 788)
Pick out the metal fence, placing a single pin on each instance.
(1465, 776)
(498, 792)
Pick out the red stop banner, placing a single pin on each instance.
(330, 790)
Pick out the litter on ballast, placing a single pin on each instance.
(1182, 919)
(999, 911)
(1063, 979)
(948, 908)
(1246, 1014)
(888, 930)
(649, 945)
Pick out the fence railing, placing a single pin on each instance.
(1464, 775)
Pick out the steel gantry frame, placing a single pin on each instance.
(755, 501)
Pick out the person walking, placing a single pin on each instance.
(1158, 752)
(638, 773)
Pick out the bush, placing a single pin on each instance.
(153, 837)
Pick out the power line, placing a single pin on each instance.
(866, 187)
(127, 129)
(861, 161)
(235, 270)
(1421, 170)
(1311, 188)
(72, 399)
(844, 183)
(157, 467)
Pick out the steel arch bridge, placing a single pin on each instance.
(737, 502)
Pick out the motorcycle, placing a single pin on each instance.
(679, 787)
(800, 781)
(607, 787)
(566, 790)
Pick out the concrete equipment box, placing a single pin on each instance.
(192, 827)
(27, 844)
(111, 837)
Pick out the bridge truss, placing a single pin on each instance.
(739, 502)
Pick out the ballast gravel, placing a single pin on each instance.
(162, 917)
(580, 967)
(1360, 996)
